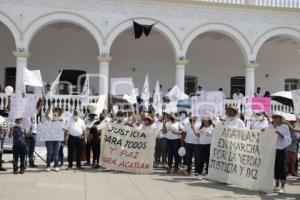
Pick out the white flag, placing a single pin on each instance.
(157, 99)
(86, 88)
(101, 104)
(32, 78)
(176, 94)
(55, 83)
(146, 92)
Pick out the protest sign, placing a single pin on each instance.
(50, 131)
(32, 78)
(209, 104)
(259, 104)
(296, 101)
(22, 107)
(126, 149)
(243, 157)
(121, 86)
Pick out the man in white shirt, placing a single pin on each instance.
(258, 92)
(76, 133)
(232, 118)
(238, 95)
(261, 123)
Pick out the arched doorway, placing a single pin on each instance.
(65, 46)
(214, 59)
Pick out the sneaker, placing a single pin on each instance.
(32, 166)
(3, 169)
(169, 170)
(48, 169)
(15, 172)
(200, 177)
(276, 189)
(281, 191)
(22, 171)
(56, 169)
(69, 169)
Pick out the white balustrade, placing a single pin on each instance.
(270, 3)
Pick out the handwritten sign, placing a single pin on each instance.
(50, 131)
(126, 149)
(261, 104)
(243, 157)
(22, 107)
(209, 104)
(296, 101)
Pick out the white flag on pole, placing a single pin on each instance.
(146, 92)
(175, 94)
(32, 78)
(86, 87)
(157, 99)
(55, 83)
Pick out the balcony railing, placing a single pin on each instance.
(71, 102)
(267, 3)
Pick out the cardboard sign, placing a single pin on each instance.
(261, 104)
(32, 78)
(244, 158)
(22, 107)
(209, 104)
(50, 131)
(126, 149)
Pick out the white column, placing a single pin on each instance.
(22, 58)
(250, 79)
(180, 73)
(104, 75)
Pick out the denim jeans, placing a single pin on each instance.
(193, 150)
(30, 150)
(19, 151)
(52, 152)
(161, 150)
(75, 143)
(172, 151)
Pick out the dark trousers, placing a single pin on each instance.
(172, 150)
(52, 152)
(1, 149)
(96, 151)
(161, 150)
(88, 148)
(204, 157)
(30, 150)
(61, 154)
(19, 152)
(75, 143)
(193, 150)
(280, 173)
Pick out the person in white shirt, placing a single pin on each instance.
(200, 91)
(76, 133)
(161, 141)
(190, 128)
(232, 118)
(238, 95)
(2, 136)
(258, 92)
(173, 133)
(205, 135)
(283, 141)
(89, 123)
(261, 123)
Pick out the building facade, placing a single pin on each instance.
(192, 43)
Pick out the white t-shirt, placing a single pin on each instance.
(206, 136)
(191, 138)
(27, 124)
(238, 96)
(76, 128)
(236, 123)
(259, 125)
(2, 120)
(286, 140)
(171, 127)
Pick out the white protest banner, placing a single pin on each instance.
(243, 157)
(209, 104)
(296, 101)
(121, 86)
(175, 94)
(22, 107)
(32, 78)
(126, 149)
(50, 131)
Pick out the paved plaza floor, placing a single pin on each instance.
(90, 184)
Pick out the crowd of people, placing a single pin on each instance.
(173, 131)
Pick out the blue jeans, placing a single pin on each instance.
(30, 150)
(52, 152)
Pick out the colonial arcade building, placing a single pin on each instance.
(227, 44)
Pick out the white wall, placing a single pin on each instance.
(151, 55)
(7, 46)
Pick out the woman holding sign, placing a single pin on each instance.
(54, 145)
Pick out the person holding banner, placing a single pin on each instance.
(89, 123)
(205, 135)
(191, 128)
(161, 141)
(19, 134)
(53, 146)
(283, 141)
(76, 137)
(261, 123)
(232, 118)
(174, 133)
